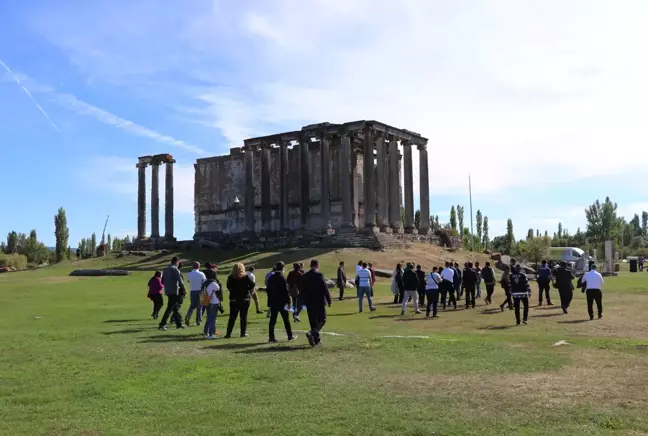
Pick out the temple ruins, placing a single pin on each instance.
(155, 162)
(316, 180)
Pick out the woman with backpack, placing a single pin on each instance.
(211, 296)
(240, 287)
(155, 288)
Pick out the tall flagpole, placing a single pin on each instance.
(472, 233)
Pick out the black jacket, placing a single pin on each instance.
(240, 289)
(420, 274)
(399, 280)
(341, 277)
(469, 278)
(314, 291)
(564, 279)
(277, 290)
(488, 275)
(410, 280)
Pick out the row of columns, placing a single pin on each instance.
(381, 195)
(155, 198)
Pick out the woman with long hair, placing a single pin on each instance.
(240, 287)
(155, 288)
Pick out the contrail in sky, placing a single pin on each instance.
(31, 97)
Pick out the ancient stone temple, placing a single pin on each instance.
(155, 162)
(324, 178)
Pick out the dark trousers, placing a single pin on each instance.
(508, 299)
(317, 319)
(174, 302)
(340, 286)
(236, 307)
(274, 311)
(421, 295)
(544, 286)
(490, 288)
(158, 303)
(297, 304)
(525, 303)
(470, 296)
(566, 296)
(452, 300)
(432, 301)
(592, 296)
(398, 298)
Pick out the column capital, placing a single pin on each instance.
(141, 165)
(421, 147)
(405, 143)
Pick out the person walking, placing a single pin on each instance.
(505, 282)
(544, 283)
(520, 292)
(255, 295)
(174, 288)
(364, 287)
(432, 293)
(564, 281)
(316, 296)
(458, 280)
(279, 302)
(341, 280)
(211, 287)
(593, 288)
(411, 284)
(373, 276)
(155, 289)
(469, 283)
(397, 284)
(478, 271)
(488, 275)
(422, 283)
(447, 285)
(294, 286)
(196, 279)
(240, 286)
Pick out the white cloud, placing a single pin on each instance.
(518, 93)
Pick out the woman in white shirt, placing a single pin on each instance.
(432, 292)
(215, 294)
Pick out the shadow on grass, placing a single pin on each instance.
(546, 307)
(574, 321)
(280, 349)
(171, 338)
(110, 321)
(548, 315)
(490, 311)
(382, 316)
(342, 314)
(234, 346)
(126, 331)
(386, 303)
(410, 319)
(497, 327)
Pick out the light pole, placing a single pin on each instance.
(236, 209)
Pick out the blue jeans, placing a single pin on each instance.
(362, 290)
(194, 298)
(479, 289)
(210, 325)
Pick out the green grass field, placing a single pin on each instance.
(81, 356)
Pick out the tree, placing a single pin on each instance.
(12, 243)
(602, 221)
(109, 243)
(460, 216)
(510, 237)
(3, 247)
(635, 223)
(644, 222)
(453, 218)
(533, 250)
(93, 244)
(500, 244)
(62, 234)
(417, 219)
(529, 235)
(479, 220)
(560, 230)
(485, 240)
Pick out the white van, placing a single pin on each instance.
(573, 255)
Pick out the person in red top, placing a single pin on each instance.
(155, 288)
(373, 276)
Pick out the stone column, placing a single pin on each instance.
(424, 179)
(266, 208)
(155, 200)
(395, 221)
(346, 185)
(369, 180)
(283, 188)
(409, 188)
(168, 202)
(382, 183)
(141, 200)
(305, 186)
(249, 189)
(325, 196)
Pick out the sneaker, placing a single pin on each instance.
(591, 318)
(272, 341)
(600, 316)
(502, 308)
(227, 337)
(260, 311)
(525, 321)
(418, 312)
(198, 323)
(310, 338)
(162, 327)
(245, 335)
(186, 320)
(373, 309)
(210, 337)
(180, 327)
(565, 311)
(539, 303)
(296, 319)
(550, 303)
(435, 316)
(402, 312)
(427, 316)
(292, 338)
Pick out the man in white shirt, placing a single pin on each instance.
(432, 292)
(363, 276)
(592, 286)
(447, 285)
(196, 279)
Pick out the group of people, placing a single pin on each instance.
(307, 290)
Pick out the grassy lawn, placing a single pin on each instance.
(81, 356)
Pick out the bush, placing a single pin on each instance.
(18, 261)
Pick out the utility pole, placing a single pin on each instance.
(472, 232)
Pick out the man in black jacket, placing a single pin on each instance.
(563, 280)
(488, 275)
(458, 281)
(520, 291)
(316, 296)
(422, 281)
(411, 284)
(398, 278)
(279, 302)
(341, 280)
(469, 283)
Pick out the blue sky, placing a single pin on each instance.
(544, 103)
